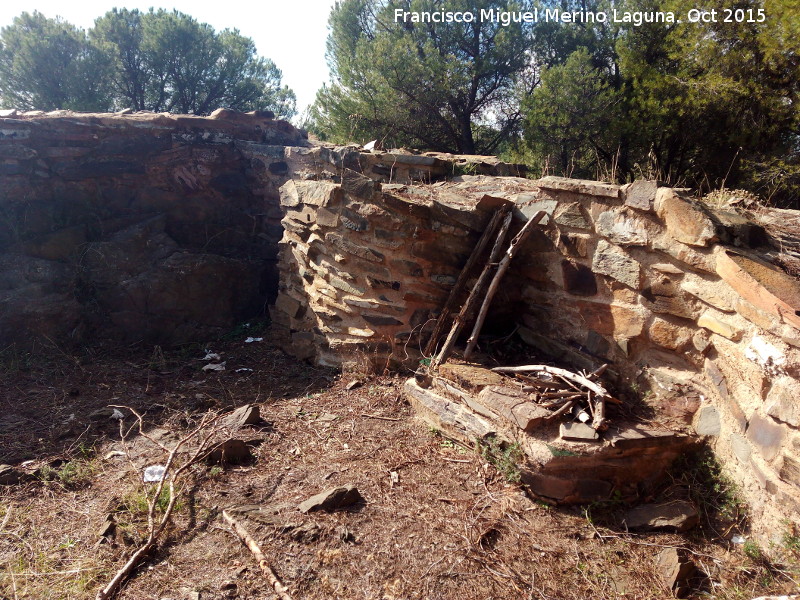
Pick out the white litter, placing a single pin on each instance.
(738, 539)
(583, 417)
(211, 356)
(117, 414)
(243, 370)
(153, 473)
(250, 340)
(214, 367)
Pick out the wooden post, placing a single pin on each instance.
(461, 283)
(501, 270)
(466, 309)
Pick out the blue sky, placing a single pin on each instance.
(290, 32)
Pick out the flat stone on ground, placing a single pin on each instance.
(577, 432)
(248, 414)
(332, 499)
(675, 516)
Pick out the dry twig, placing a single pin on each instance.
(155, 527)
(247, 540)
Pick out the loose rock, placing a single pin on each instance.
(9, 475)
(332, 499)
(578, 432)
(675, 571)
(229, 452)
(675, 516)
(248, 414)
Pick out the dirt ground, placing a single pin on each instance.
(436, 521)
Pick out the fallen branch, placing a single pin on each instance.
(568, 406)
(599, 420)
(156, 527)
(501, 270)
(590, 385)
(380, 417)
(247, 540)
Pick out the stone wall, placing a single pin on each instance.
(138, 227)
(685, 301)
(163, 229)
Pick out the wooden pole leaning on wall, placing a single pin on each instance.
(469, 304)
(463, 277)
(501, 270)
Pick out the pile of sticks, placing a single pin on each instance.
(492, 273)
(565, 392)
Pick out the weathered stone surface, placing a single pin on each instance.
(332, 499)
(677, 516)
(471, 377)
(761, 318)
(783, 400)
(675, 570)
(346, 245)
(713, 293)
(790, 471)
(762, 285)
(741, 449)
(707, 421)
(611, 319)
(669, 335)
(622, 229)
(765, 435)
(579, 186)
(444, 414)
(317, 193)
(359, 186)
(248, 414)
(574, 244)
(288, 194)
(701, 341)
(572, 215)
(685, 220)
(641, 194)
(718, 326)
(614, 262)
(577, 432)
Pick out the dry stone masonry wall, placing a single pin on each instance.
(684, 300)
(167, 228)
(140, 227)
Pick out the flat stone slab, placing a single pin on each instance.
(763, 285)
(578, 432)
(452, 417)
(332, 499)
(579, 186)
(676, 516)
